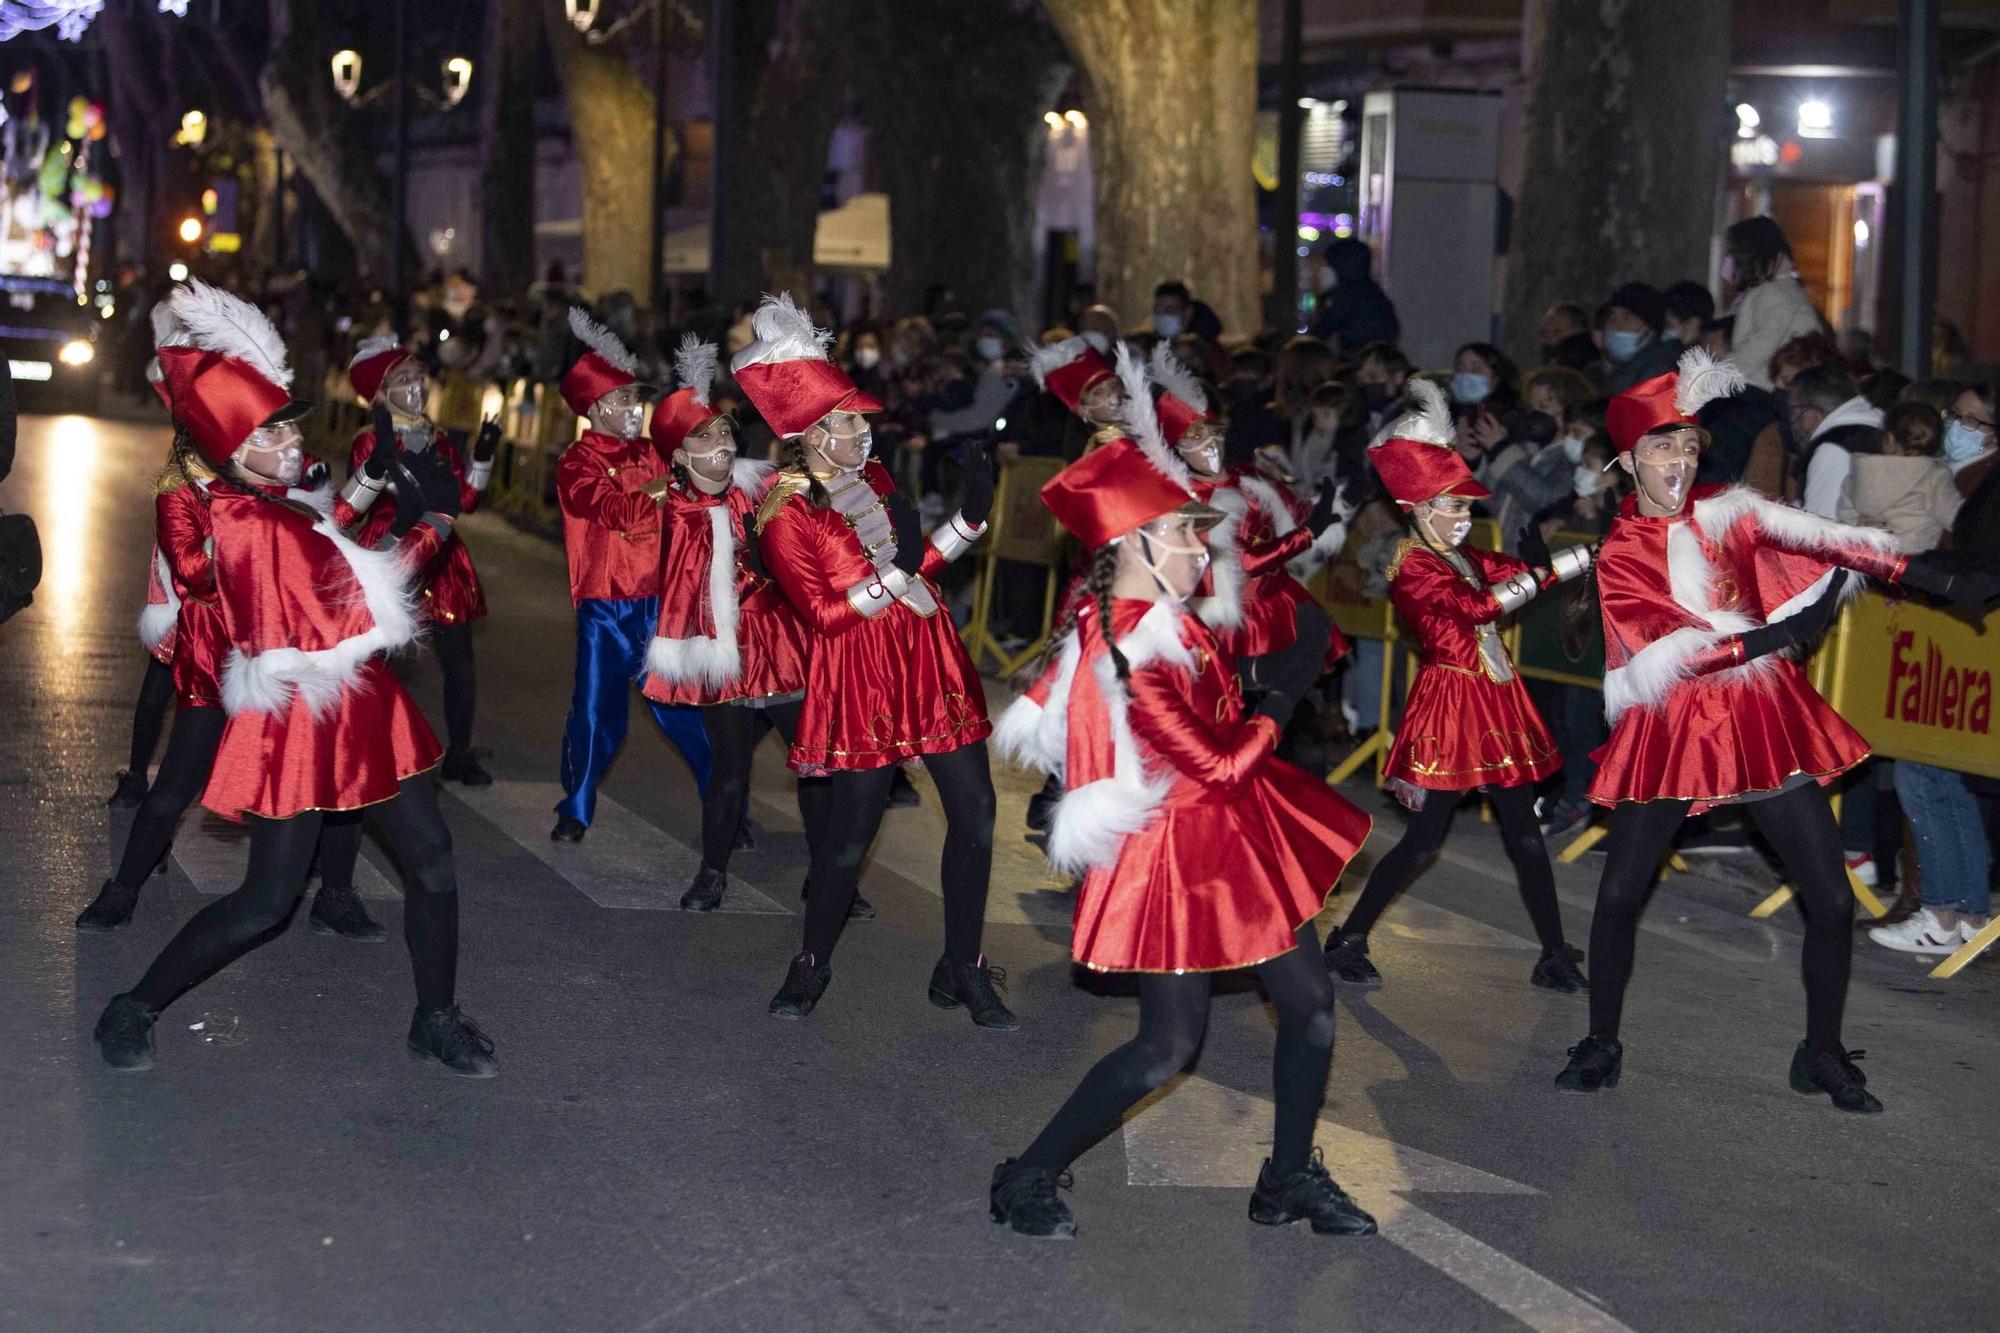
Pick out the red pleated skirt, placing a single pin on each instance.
(892, 688)
(453, 595)
(1462, 730)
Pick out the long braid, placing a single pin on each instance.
(1104, 572)
(795, 457)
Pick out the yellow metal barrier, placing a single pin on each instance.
(1025, 532)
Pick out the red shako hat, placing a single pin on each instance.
(1416, 460)
(686, 409)
(222, 371)
(605, 364)
(372, 362)
(786, 373)
(1068, 368)
(1672, 399)
(1184, 402)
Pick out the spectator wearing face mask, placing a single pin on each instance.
(1830, 414)
(1172, 304)
(1772, 307)
(1353, 310)
(1689, 307)
(1099, 326)
(1634, 350)
(1971, 453)
(862, 360)
(1564, 336)
(970, 409)
(1544, 478)
(1493, 432)
(1383, 376)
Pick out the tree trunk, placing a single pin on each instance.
(313, 128)
(953, 92)
(1173, 112)
(611, 133)
(1626, 130)
(507, 146)
(792, 61)
(139, 55)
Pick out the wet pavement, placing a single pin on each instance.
(660, 1154)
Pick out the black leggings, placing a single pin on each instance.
(280, 854)
(453, 646)
(854, 805)
(733, 733)
(149, 716)
(1519, 833)
(1173, 1013)
(1799, 824)
(183, 773)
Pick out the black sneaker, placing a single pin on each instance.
(453, 1040)
(972, 985)
(1042, 805)
(1593, 1063)
(1024, 1197)
(1347, 958)
(903, 794)
(746, 836)
(805, 982)
(110, 909)
(858, 910)
(1558, 972)
(124, 1033)
(337, 910)
(568, 830)
(459, 766)
(1308, 1192)
(131, 790)
(705, 894)
(1835, 1074)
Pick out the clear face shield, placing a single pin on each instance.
(622, 413)
(273, 455)
(1103, 403)
(1663, 465)
(1443, 522)
(709, 454)
(842, 442)
(1201, 448)
(1172, 551)
(406, 389)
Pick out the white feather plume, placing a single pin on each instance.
(1045, 361)
(221, 323)
(1430, 420)
(601, 340)
(168, 331)
(1703, 379)
(783, 332)
(695, 362)
(1142, 423)
(1176, 378)
(374, 345)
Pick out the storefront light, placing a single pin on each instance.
(1861, 234)
(1747, 121)
(1815, 119)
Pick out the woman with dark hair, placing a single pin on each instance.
(1772, 307)
(1494, 432)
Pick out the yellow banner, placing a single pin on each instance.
(1918, 684)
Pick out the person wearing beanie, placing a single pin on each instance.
(888, 679)
(1705, 593)
(609, 484)
(392, 382)
(1634, 350)
(727, 641)
(1468, 724)
(316, 721)
(1199, 850)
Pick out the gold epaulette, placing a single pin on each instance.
(789, 482)
(1403, 549)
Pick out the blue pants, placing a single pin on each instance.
(1952, 852)
(611, 640)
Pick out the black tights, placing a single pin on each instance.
(1519, 833)
(1799, 824)
(1173, 1013)
(854, 805)
(183, 773)
(733, 733)
(453, 646)
(149, 716)
(280, 854)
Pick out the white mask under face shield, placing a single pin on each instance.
(622, 413)
(273, 454)
(1440, 526)
(1155, 550)
(864, 439)
(406, 394)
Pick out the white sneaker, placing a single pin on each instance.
(1967, 928)
(1862, 866)
(1922, 933)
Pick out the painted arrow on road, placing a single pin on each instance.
(1203, 1134)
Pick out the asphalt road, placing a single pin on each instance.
(660, 1154)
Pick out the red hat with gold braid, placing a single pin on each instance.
(1673, 399)
(604, 366)
(223, 371)
(1416, 460)
(786, 372)
(686, 409)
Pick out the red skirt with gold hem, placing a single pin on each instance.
(1461, 730)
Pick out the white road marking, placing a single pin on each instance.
(1203, 1134)
(212, 852)
(623, 862)
(1411, 918)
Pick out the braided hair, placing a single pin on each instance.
(1104, 572)
(184, 466)
(795, 458)
(1097, 580)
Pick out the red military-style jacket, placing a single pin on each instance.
(611, 526)
(449, 583)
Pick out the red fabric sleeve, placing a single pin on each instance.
(1427, 583)
(1162, 717)
(180, 518)
(790, 546)
(1277, 551)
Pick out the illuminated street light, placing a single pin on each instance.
(582, 13)
(194, 128)
(457, 78)
(177, 271)
(347, 73)
(190, 229)
(1077, 119)
(1815, 120)
(1747, 121)
(1053, 119)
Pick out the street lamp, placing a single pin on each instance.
(194, 128)
(190, 229)
(582, 13)
(347, 73)
(457, 78)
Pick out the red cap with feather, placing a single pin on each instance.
(1673, 399)
(686, 409)
(1416, 461)
(223, 371)
(786, 373)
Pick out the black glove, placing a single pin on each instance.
(408, 495)
(1968, 589)
(1798, 629)
(1291, 670)
(752, 552)
(437, 481)
(487, 441)
(909, 530)
(383, 456)
(1325, 511)
(1533, 548)
(978, 501)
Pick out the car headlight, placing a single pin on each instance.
(76, 352)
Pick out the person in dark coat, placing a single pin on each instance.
(1634, 320)
(1354, 310)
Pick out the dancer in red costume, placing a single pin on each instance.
(1468, 724)
(1200, 851)
(393, 383)
(727, 642)
(1704, 591)
(316, 721)
(889, 679)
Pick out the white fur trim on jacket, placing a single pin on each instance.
(1223, 609)
(159, 618)
(265, 682)
(1036, 735)
(1089, 824)
(714, 660)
